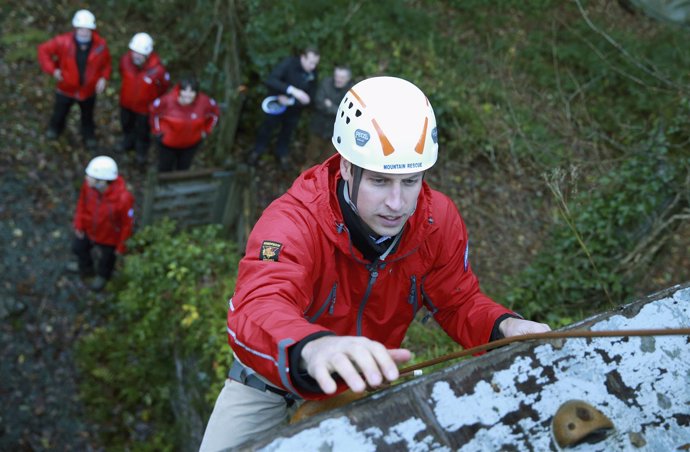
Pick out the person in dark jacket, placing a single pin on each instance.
(144, 79)
(335, 270)
(181, 120)
(330, 92)
(294, 81)
(80, 62)
(103, 220)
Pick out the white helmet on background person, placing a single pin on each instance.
(102, 168)
(141, 43)
(84, 19)
(387, 125)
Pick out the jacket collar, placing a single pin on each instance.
(316, 189)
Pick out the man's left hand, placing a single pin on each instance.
(517, 327)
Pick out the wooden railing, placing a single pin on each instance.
(199, 197)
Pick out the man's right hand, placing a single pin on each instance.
(57, 75)
(301, 96)
(351, 357)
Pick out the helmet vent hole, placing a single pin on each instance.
(571, 426)
(342, 113)
(347, 120)
(350, 105)
(358, 113)
(339, 140)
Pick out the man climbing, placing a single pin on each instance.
(336, 269)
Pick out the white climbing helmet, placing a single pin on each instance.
(387, 125)
(142, 43)
(102, 168)
(84, 19)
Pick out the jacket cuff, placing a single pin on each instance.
(301, 379)
(496, 332)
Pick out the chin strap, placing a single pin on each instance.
(357, 172)
(348, 200)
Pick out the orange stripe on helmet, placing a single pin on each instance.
(420, 144)
(358, 98)
(388, 148)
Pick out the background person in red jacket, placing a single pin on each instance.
(103, 220)
(144, 79)
(336, 269)
(80, 62)
(180, 120)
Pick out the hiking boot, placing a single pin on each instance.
(98, 283)
(51, 134)
(73, 267)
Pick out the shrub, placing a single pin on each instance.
(606, 234)
(154, 367)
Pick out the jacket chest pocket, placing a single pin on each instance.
(413, 296)
(326, 306)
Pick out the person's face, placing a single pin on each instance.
(83, 34)
(138, 58)
(309, 61)
(385, 201)
(98, 184)
(341, 77)
(186, 96)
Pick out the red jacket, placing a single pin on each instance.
(183, 126)
(300, 275)
(106, 218)
(60, 53)
(142, 85)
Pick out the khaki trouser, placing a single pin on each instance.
(242, 413)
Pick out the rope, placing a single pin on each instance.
(410, 370)
(311, 407)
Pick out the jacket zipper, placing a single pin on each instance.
(94, 219)
(431, 309)
(412, 299)
(373, 274)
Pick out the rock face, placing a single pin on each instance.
(506, 399)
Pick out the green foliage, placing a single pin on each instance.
(426, 340)
(167, 313)
(22, 46)
(360, 34)
(583, 267)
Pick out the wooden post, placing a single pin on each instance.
(149, 195)
(218, 213)
(227, 58)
